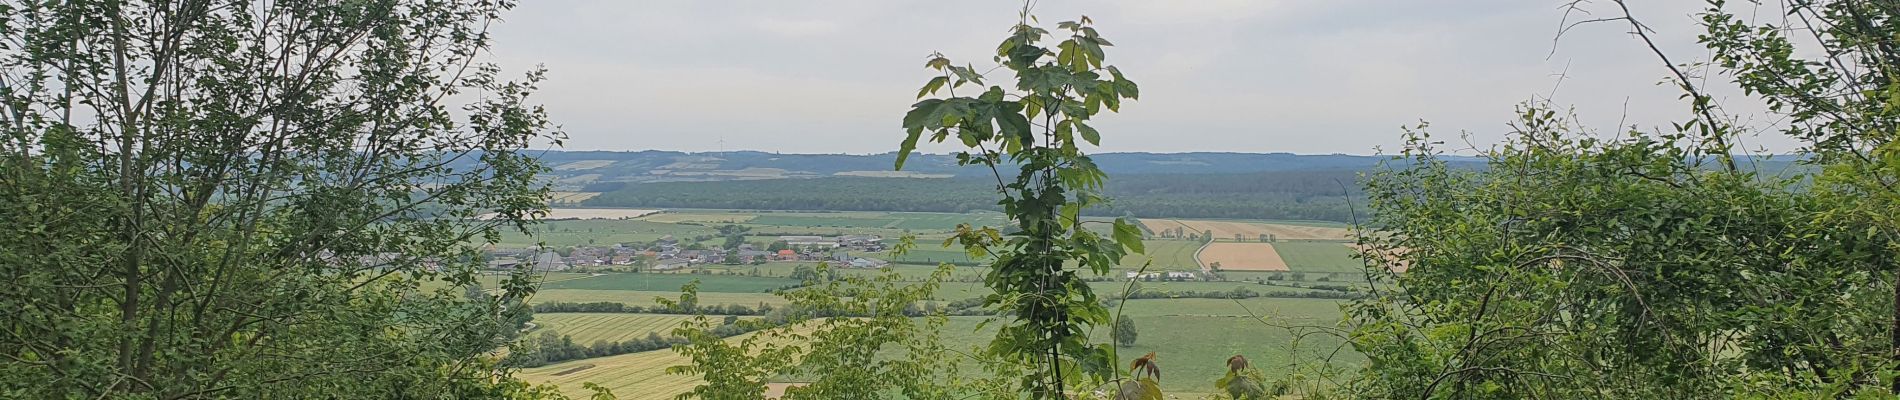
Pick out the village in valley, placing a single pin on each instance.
(668, 254)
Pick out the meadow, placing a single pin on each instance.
(1318, 256)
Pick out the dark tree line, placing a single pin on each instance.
(1308, 195)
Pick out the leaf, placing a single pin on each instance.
(931, 88)
(1129, 235)
(1088, 133)
(921, 113)
(1015, 125)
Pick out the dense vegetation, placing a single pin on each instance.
(238, 199)
(1291, 195)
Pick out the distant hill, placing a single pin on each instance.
(576, 169)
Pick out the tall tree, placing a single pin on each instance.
(1039, 128)
(239, 199)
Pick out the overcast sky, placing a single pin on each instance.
(1307, 76)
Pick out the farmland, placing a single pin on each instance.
(563, 198)
(1252, 230)
(586, 328)
(1243, 256)
(1193, 335)
(1318, 257)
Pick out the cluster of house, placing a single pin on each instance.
(1170, 275)
(667, 254)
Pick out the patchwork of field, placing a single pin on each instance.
(570, 197)
(586, 328)
(583, 164)
(599, 232)
(890, 220)
(674, 217)
(1247, 230)
(1193, 336)
(596, 213)
(1243, 257)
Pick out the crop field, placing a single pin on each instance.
(586, 328)
(1250, 230)
(570, 197)
(1168, 255)
(890, 220)
(599, 232)
(1194, 337)
(645, 297)
(665, 282)
(674, 217)
(1318, 256)
(636, 376)
(596, 213)
(583, 164)
(1243, 256)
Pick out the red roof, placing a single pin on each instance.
(786, 252)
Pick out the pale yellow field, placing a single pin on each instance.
(678, 217)
(1243, 257)
(570, 197)
(637, 376)
(1226, 230)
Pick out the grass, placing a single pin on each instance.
(586, 328)
(1192, 338)
(1168, 255)
(1318, 256)
(600, 232)
(673, 282)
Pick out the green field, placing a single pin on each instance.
(1168, 255)
(586, 328)
(600, 232)
(1318, 257)
(1193, 336)
(664, 282)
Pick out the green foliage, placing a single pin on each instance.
(1579, 267)
(242, 199)
(1039, 128)
(837, 356)
(1125, 333)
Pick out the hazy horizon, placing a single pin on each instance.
(1243, 76)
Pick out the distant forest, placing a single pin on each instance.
(1308, 195)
